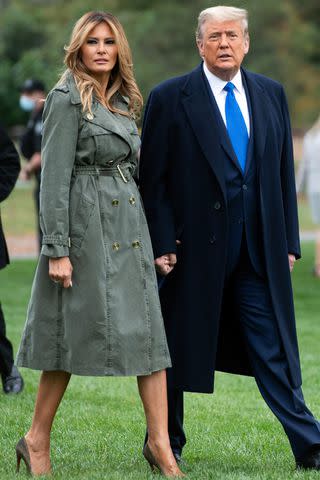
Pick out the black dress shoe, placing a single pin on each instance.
(311, 459)
(12, 383)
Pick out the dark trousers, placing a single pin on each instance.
(6, 351)
(250, 293)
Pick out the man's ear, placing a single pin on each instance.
(246, 43)
(200, 47)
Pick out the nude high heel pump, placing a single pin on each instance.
(22, 452)
(148, 455)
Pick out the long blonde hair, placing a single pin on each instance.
(121, 79)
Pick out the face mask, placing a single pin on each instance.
(26, 103)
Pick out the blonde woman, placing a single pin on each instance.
(309, 174)
(94, 307)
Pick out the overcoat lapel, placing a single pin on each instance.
(260, 114)
(197, 105)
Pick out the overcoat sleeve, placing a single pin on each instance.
(9, 165)
(154, 170)
(59, 140)
(289, 196)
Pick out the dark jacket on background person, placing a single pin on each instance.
(9, 171)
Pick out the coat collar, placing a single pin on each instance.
(101, 117)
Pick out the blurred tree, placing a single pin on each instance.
(285, 38)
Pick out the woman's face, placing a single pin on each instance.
(99, 53)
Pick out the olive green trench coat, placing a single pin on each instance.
(109, 322)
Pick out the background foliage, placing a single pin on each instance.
(285, 38)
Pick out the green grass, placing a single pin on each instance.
(99, 429)
(18, 211)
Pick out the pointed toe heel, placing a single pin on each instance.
(22, 453)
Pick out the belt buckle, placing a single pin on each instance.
(121, 174)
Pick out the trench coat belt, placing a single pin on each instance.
(122, 171)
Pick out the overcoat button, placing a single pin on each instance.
(132, 200)
(212, 240)
(244, 187)
(217, 205)
(115, 202)
(136, 244)
(90, 116)
(116, 246)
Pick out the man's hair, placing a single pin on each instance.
(222, 14)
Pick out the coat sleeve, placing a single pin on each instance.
(289, 196)
(154, 170)
(9, 165)
(59, 140)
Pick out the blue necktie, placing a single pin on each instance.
(236, 126)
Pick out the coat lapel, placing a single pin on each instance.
(203, 121)
(109, 121)
(260, 114)
(103, 118)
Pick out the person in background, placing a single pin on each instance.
(217, 174)
(94, 307)
(309, 176)
(32, 100)
(12, 381)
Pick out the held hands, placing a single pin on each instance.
(165, 264)
(292, 260)
(60, 271)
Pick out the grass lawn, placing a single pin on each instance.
(99, 429)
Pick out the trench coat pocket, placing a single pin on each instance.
(79, 220)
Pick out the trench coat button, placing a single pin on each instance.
(136, 244)
(116, 246)
(132, 200)
(212, 239)
(244, 187)
(90, 116)
(217, 206)
(115, 202)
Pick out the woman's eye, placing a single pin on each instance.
(91, 41)
(110, 42)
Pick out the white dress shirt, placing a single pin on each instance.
(217, 86)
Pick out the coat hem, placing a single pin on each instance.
(89, 373)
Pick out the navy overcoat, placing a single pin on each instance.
(183, 189)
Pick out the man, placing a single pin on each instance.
(32, 100)
(217, 180)
(12, 381)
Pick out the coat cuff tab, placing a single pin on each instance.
(56, 240)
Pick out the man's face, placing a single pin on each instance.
(223, 46)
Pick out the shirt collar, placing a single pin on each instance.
(217, 85)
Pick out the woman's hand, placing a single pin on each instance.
(60, 271)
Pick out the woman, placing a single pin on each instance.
(309, 173)
(94, 308)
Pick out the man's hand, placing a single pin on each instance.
(166, 263)
(60, 271)
(292, 260)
